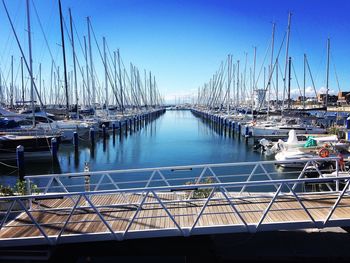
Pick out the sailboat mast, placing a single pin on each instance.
(270, 71)
(289, 80)
(74, 63)
(11, 88)
(30, 64)
(106, 73)
(120, 83)
(286, 62)
(64, 59)
(237, 84)
(87, 73)
(304, 86)
(150, 88)
(22, 79)
(228, 82)
(327, 77)
(91, 65)
(254, 88)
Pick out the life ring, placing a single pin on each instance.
(323, 153)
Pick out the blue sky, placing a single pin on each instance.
(183, 42)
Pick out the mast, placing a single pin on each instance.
(30, 65)
(11, 88)
(120, 83)
(1, 94)
(327, 77)
(64, 58)
(40, 94)
(115, 72)
(289, 79)
(286, 62)
(91, 65)
(87, 71)
(277, 82)
(154, 91)
(228, 82)
(237, 83)
(74, 63)
(254, 88)
(270, 71)
(106, 73)
(22, 79)
(150, 89)
(304, 87)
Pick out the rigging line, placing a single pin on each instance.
(79, 41)
(335, 72)
(272, 70)
(75, 54)
(22, 53)
(16, 21)
(312, 79)
(42, 31)
(105, 64)
(296, 79)
(262, 65)
(17, 72)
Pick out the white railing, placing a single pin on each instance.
(219, 192)
(175, 175)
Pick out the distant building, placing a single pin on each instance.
(301, 98)
(344, 97)
(332, 99)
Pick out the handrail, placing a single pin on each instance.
(172, 168)
(184, 187)
(152, 196)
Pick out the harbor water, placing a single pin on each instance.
(175, 138)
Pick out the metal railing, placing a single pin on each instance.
(228, 193)
(175, 175)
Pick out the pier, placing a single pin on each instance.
(246, 197)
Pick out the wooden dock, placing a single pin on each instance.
(151, 220)
(72, 216)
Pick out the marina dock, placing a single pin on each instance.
(60, 213)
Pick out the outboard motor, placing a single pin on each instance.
(324, 167)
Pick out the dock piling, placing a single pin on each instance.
(113, 128)
(20, 162)
(54, 148)
(76, 141)
(92, 136)
(104, 133)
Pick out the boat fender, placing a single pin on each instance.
(323, 153)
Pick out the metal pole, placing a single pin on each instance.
(30, 65)
(286, 63)
(91, 65)
(327, 77)
(74, 63)
(106, 76)
(64, 59)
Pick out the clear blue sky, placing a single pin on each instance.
(183, 42)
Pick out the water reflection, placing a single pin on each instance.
(175, 138)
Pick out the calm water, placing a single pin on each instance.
(175, 138)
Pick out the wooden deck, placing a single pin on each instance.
(218, 217)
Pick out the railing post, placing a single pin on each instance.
(337, 174)
(87, 177)
(29, 192)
